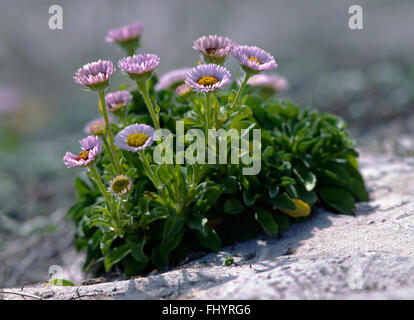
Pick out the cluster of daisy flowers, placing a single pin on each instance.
(206, 78)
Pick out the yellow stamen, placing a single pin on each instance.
(207, 81)
(137, 139)
(255, 60)
(198, 62)
(83, 155)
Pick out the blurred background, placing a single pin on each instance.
(365, 76)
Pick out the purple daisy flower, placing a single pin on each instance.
(208, 77)
(184, 90)
(272, 81)
(254, 59)
(10, 100)
(95, 75)
(117, 100)
(120, 186)
(172, 79)
(125, 33)
(91, 147)
(135, 137)
(140, 66)
(127, 37)
(214, 48)
(96, 127)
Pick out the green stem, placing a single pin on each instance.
(217, 123)
(236, 100)
(102, 107)
(143, 89)
(102, 188)
(148, 169)
(107, 150)
(207, 111)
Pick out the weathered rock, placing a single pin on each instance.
(329, 256)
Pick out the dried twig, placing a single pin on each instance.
(21, 294)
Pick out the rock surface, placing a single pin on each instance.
(369, 256)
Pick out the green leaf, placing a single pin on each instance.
(299, 192)
(160, 260)
(287, 181)
(168, 245)
(358, 191)
(336, 174)
(338, 199)
(133, 267)
(137, 251)
(132, 158)
(282, 221)
(283, 201)
(61, 282)
(106, 242)
(230, 184)
(172, 226)
(233, 206)
(268, 155)
(307, 179)
(273, 191)
(208, 238)
(155, 214)
(131, 172)
(115, 255)
(249, 198)
(266, 221)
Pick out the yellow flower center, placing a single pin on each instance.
(120, 184)
(83, 155)
(207, 81)
(255, 60)
(137, 139)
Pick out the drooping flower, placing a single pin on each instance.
(127, 36)
(214, 48)
(208, 77)
(10, 100)
(254, 59)
(140, 66)
(121, 185)
(172, 79)
(184, 90)
(96, 127)
(95, 75)
(117, 101)
(135, 137)
(128, 32)
(91, 147)
(273, 81)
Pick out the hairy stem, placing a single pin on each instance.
(143, 89)
(207, 111)
(102, 107)
(96, 176)
(242, 85)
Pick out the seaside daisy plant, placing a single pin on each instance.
(198, 160)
